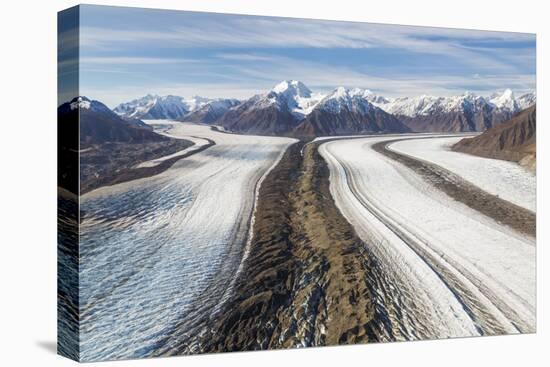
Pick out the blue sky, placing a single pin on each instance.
(128, 52)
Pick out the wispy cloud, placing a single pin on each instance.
(323, 77)
(259, 78)
(237, 56)
(262, 33)
(283, 32)
(133, 60)
(243, 57)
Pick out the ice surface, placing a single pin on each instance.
(159, 253)
(449, 271)
(508, 180)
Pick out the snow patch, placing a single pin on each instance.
(81, 102)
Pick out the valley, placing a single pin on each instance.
(294, 220)
(177, 239)
(229, 182)
(307, 278)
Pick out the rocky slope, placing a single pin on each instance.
(249, 118)
(513, 140)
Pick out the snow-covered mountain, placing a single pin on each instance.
(293, 96)
(348, 111)
(505, 101)
(370, 96)
(276, 112)
(292, 108)
(84, 103)
(211, 111)
(159, 107)
(290, 103)
(360, 99)
(98, 124)
(526, 100)
(196, 102)
(466, 112)
(425, 104)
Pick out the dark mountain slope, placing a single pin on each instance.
(513, 140)
(250, 118)
(323, 123)
(98, 124)
(110, 146)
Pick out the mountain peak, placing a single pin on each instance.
(342, 98)
(340, 92)
(84, 103)
(343, 92)
(508, 93)
(293, 87)
(80, 102)
(291, 95)
(505, 100)
(504, 95)
(360, 92)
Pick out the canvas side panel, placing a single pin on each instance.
(68, 184)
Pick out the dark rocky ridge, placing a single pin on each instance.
(305, 280)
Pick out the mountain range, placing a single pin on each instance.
(345, 111)
(467, 112)
(291, 108)
(156, 107)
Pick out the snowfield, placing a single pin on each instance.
(508, 180)
(154, 249)
(445, 269)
